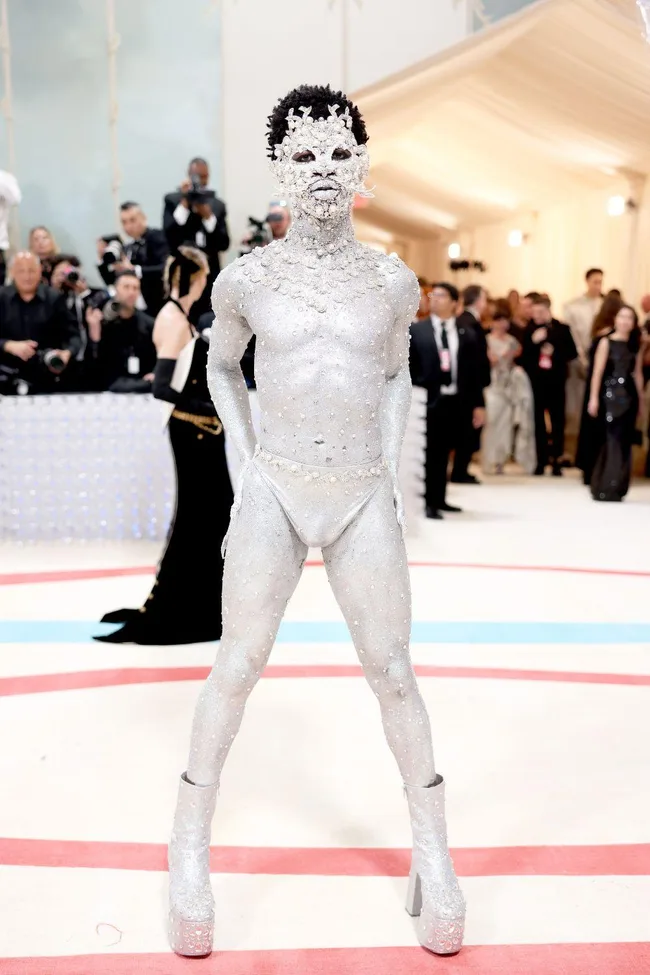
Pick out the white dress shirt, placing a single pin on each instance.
(9, 197)
(182, 215)
(452, 339)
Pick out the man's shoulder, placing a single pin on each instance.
(155, 233)
(173, 199)
(234, 276)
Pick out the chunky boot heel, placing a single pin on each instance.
(414, 894)
(434, 895)
(191, 904)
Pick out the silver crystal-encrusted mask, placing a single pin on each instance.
(326, 184)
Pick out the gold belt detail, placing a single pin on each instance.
(209, 424)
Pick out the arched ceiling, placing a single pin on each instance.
(547, 103)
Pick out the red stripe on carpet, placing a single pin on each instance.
(512, 861)
(79, 575)
(562, 959)
(71, 575)
(83, 680)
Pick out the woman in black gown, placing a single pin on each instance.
(184, 605)
(615, 395)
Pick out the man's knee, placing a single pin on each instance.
(392, 679)
(235, 673)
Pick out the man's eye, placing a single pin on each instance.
(304, 157)
(341, 154)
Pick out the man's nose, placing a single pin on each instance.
(323, 170)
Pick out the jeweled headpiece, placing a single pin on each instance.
(306, 132)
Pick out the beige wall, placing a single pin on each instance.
(562, 242)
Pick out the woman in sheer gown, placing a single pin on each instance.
(509, 403)
(615, 396)
(184, 605)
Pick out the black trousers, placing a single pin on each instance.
(446, 428)
(549, 398)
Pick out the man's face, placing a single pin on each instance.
(320, 166)
(26, 274)
(541, 314)
(526, 308)
(481, 304)
(127, 291)
(134, 222)
(201, 170)
(442, 303)
(279, 220)
(595, 284)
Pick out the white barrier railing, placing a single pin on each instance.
(100, 467)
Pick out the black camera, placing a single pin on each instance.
(197, 193)
(114, 252)
(111, 310)
(52, 361)
(70, 280)
(257, 236)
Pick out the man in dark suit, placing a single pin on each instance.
(146, 254)
(548, 350)
(475, 301)
(195, 214)
(446, 361)
(38, 334)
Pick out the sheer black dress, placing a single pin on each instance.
(184, 605)
(619, 406)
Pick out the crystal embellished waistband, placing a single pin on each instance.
(322, 474)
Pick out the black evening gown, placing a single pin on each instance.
(619, 406)
(184, 605)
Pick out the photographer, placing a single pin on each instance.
(68, 278)
(146, 253)
(120, 356)
(195, 214)
(38, 334)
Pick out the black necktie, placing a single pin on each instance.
(445, 358)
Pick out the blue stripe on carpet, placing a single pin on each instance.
(332, 631)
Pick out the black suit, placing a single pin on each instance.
(548, 376)
(471, 438)
(448, 416)
(123, 341)
(46, 320)
(212, 243)
(150, 254)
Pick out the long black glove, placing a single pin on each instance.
(162, 389)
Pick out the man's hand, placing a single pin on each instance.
(185, 187)
(94, 322)
(124, 265)
(540, 335)
(204, 210)
(399, 507)
(148, 378)
(478, 418)
(22, 350)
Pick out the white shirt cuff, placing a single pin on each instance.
(210, 224)
(181, 214)
(138, 271)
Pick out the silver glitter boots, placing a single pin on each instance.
(434, 894)
(191, 904)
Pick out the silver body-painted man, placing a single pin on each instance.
(332, 319)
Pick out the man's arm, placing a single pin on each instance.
(228, 339)
(157, 254)
(396, 401)
(64, 328)
(218, 238)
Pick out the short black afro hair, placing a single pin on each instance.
(318, 98)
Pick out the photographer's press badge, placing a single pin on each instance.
(133, 365)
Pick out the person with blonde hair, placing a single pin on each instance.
(184, 605)
(43, 245)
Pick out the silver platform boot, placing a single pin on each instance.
(191, 904)
(434, 894)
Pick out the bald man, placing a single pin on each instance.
(38, 334)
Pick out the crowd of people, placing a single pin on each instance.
(503, 376)
(58, 334)
(509, 378)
